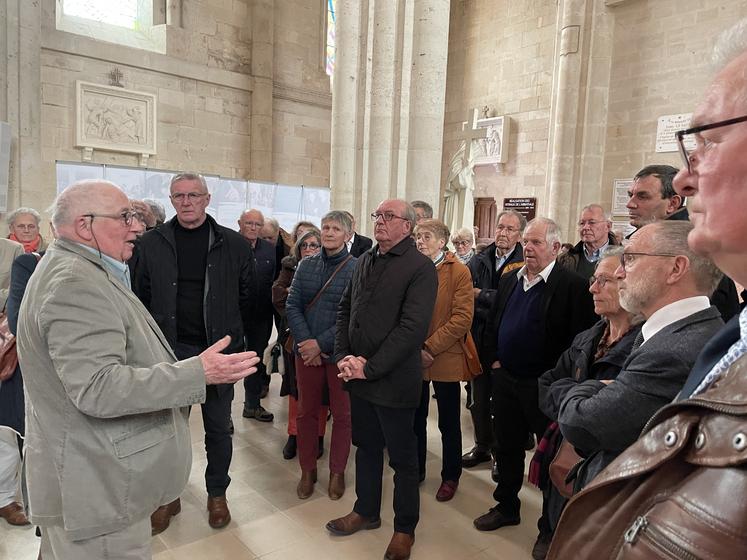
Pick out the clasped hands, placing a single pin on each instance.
(351, 367)
(310, 352)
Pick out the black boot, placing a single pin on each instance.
(289, 450)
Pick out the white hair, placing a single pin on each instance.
(730, 44)
(552, 234)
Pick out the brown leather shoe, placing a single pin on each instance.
(160, 519)
(13, 513)
(447, 490)
(219, 515)
(352, 523)
(399, 547)
(305, 486)
(336, 485)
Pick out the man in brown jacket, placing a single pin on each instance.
(681, 490)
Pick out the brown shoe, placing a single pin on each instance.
(219, 515)
(305, 486)
(399, 547)
(336, 485)
(352, 523)
(160, 519)
(13, 513)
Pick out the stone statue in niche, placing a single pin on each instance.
(460, 186)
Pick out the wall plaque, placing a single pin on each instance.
(527, 207)
(666, 126)
(116, 120)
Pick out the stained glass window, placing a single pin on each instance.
(122, 13)
(331, 21)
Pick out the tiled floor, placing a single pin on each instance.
(271, 523)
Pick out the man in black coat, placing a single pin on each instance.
(357, 244)
(382, 324)
(537, 312)
(197, 279)
(595, 229)
(487, 268)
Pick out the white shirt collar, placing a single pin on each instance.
(672, 313)
(350, 241)
(543, 275)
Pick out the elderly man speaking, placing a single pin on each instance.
(107, 439)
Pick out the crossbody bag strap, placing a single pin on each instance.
(328, 282)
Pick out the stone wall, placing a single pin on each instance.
(241, 92)
(501, 55)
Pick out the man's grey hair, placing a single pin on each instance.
(671, 238)
(23, 210)
(158, 210)
(341, 217)
(424, 206)
(274, 223)
(519, 216)
(552, 234)
(607, 215)
(411, 215)
(188, 177)
(71, 202)
(611, 251)
(730, 44)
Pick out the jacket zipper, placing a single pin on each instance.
(658, 539)
(702, 403)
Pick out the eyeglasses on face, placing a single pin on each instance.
(386, 216)
(309, 245)
(191, 196)
(126, 217)
(600, 280)
(461, 244)
(590, 223)
(626, 259)
(687, 154)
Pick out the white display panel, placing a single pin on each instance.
(229, 197)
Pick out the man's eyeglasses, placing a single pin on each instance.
(386, 216)
(306, 245)
(601, 280)
(626, 259)
(507, 229)
(191, 196)
(590, 223)
(126, 217)
(685, 153)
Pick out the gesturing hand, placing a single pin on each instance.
(227, 368)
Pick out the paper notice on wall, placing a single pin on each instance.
(620, 196)
(666, 126)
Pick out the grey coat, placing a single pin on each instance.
(602, 420)
(106, 439)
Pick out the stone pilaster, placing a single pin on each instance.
(263, 42)
(388, 103)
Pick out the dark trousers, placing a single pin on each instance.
(481, 412)
(376, 427)
(257, 341)
(516, 413)
(216, 419)
(448, 395)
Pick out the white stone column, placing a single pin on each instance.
(20, 100)
(388, 103)
(567, 112)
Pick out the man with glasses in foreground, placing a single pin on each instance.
(107, 438)
(197, 279)
(682, 484)
(382, 324)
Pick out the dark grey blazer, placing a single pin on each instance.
(602, 420)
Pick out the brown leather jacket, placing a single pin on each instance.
(679, 492)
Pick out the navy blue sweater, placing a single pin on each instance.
(521, 335)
